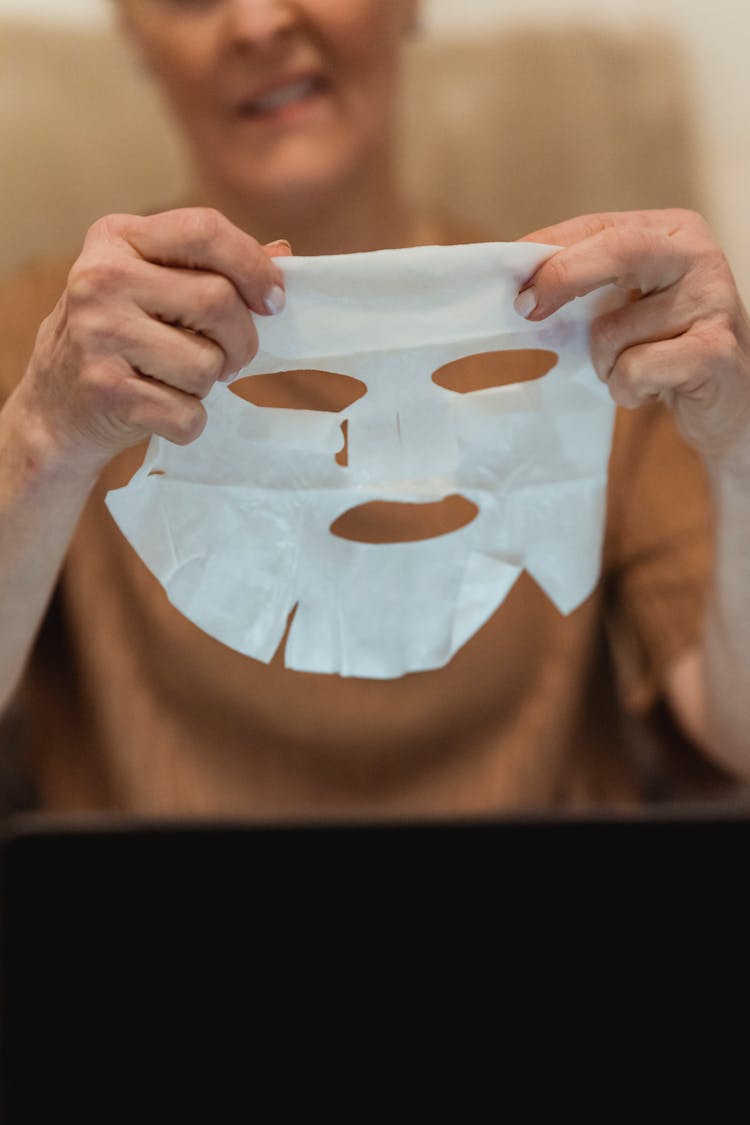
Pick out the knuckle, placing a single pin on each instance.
(125, 409)
(685, 219)
(216, 296)
(243, 351)
(707, 253)
(692, 219)
(105, 383)
(83, 284)
(250, 344)
(592, 225)
(722, 323)
(187, 423)
(716, 262)
(95, 334)
(108, 226)
(622, 392)
(125, 401)
(718, 338)
(104, 392)
(202, 226)
(628, 369)
(210, 369)
(93, 279)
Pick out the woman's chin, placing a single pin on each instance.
(289, 186)
(301, 169)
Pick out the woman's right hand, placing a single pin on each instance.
(156, 310)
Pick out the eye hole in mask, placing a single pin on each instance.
(388, 521)
(494, 369)
(304, 390)
(300, 390)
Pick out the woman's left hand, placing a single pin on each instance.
(684, 336)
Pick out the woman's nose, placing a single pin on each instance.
(259, 22)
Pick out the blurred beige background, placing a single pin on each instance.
(711, 36)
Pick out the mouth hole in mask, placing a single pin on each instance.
(494, 369)
(300, 390)
(389, 521)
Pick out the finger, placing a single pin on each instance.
(177, 357)
(200, 238)
(586, 226)
(661, 316)
(630, 257)
(205, 303)
(178, 417)
(681, 367)
(143, 406)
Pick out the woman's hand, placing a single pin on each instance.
(156, 310)
(684, 335)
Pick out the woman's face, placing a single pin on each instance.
(277, 97)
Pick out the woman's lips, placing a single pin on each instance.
(284, 100)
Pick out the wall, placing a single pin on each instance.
(713, 35)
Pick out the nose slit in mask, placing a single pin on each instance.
(342, 457)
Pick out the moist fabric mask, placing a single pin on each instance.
(237, 526)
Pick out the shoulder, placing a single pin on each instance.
(26, 298)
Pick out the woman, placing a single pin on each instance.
(288, 106)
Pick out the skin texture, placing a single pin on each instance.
(156, 309)
(685, 335)
(133, 346)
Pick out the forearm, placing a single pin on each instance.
(41, 497)
(726, 650)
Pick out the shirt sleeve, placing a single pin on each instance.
(658, 555)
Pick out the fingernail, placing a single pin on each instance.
(274, 300)
(526, 302)
(280, 242)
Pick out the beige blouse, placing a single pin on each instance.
(128, 706)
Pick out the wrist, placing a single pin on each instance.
(39, 451)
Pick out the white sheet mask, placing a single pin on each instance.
(236, 526)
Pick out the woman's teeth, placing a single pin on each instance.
(286, 95)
